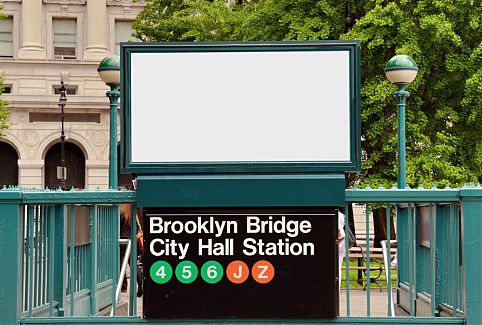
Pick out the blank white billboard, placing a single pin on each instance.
(262, 106)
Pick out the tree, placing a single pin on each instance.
(444, 112)
(4, 113)
(186, 20)
(444, 131)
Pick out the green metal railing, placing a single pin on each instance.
(438, 239)
(62, 255)
(432, 241)
(51, 241)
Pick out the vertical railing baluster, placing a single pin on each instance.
(347, 259)
(81, 270)
(433, 209)
(100, 262)
(78, 270)
(106, 244)
(100, 248)
(84, 266)
(86, 276)
(25, 259)
(449, 259)
(455, 262)
(414, 250)
(103, 243)
(51, 242)
(460, 304)
(98, 241)
(110, 249)
(44, 253)
(411, 258)
(389, 271)
(111, 244)
(41, 272)
(36, 258)
(72, 260)
(110, 213)
(459, 259)
(47, 253)
(367, 250)
(400, 249)
(447, 293)
(41, 257)
(93, 239)
(134, 261)
(100, 244)
(81, 267)
(30, 227)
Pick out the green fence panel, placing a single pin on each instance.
(37, 273)
(472, 227)
(11, 249)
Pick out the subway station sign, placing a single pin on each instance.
(240, 263)
(240, 150)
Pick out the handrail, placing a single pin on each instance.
(388, 275)
(394, 195)
(123, 270)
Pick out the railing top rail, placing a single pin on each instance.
(35, 196)
(395, 195)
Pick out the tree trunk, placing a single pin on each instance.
(380, 226)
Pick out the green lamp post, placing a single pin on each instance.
(401, 70)
(109, 72)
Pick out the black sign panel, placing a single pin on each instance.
(262, 263)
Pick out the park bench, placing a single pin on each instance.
(378, 264)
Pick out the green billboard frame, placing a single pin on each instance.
(241, 167)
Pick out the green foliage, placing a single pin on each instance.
(187, 20)
(4, 113)
(444, 112)
(444, 129)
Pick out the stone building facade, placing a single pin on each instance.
(41, 43)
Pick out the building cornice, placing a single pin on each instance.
(43, 102)
(5, 61)
(128, 3)
(65, 2)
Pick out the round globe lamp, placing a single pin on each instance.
(109, 70)
(401, 70)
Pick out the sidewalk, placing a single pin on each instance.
(358, 303)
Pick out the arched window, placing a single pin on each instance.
(74, 161)
(8, 165)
